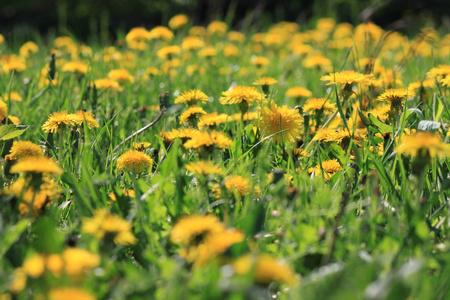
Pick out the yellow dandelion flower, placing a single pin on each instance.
(105, 225)
(231, 50)
(182, 133)
(326, 24)
(2, 39)
(21, 149)
(168, 52)
(59, 121)
(191, 114)
(243, 96)
(161, 33)
(79, 261)
(236, 36)
(47, 192)
(34, 266)
(204, 167)
(217, 27)
(208, 140)
(19, 282)
(211, 246)
(445, 81)
(178, 21)
(13, 96)
(194, 229)
(108, 84)
(68, 293)
(248, 116)
(298, 92)
(36, 165)
(442, 71)
(347, 77)
(120, 75)
(192, 97)
(152, 71)
(238, 184)
(423, 144)
(428, 83)
(265, 81)
(330, 167)
(319, 105)
(212, 120)
(63, 42)
(316, 61)
(134, 161)
(75, 67)
(299, 152)
(281, 123)
(395, 96)
(342, 137)
(207, 52)
(129, 193)
(141, 146)
(9, 63)
(54, 263)
(260, 61)
(197, 31)
(138, 34)
(192, 43)
(84, 116)
(268, 270)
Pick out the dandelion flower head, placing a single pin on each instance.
(281, 123)
(134, 161)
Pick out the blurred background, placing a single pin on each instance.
(101, 20)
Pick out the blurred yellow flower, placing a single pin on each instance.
(134, 161)
(39, 165)
(120, 75)
(204, 167)
(423, 144)
(178, 21)
(104, 225)
(21, 149)
(168, 52)
(68, 293)
(217, 28)
(298, 92)
(79, 261)
(192, 43)
(75, 67)
(208, 140)
(161, 33)
(110, 84)
(28, 48)
(238, 184)
(34, 266)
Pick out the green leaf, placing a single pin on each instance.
(438, 108)
(11, 235)
(365, 121)
(8, 132)
(382, 128)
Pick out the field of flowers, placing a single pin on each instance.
(189, 162)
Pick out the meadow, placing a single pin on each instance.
(190, 162)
